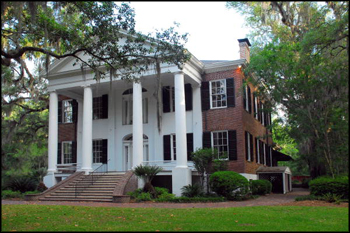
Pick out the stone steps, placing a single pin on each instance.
(100, 190)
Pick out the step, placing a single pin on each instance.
(75, 199)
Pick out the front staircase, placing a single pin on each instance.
(101, 190)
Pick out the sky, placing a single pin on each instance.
(213, 29)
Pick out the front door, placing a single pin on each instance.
(127, 155)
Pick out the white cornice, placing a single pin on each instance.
(222, 66)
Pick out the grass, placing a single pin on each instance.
(256, 218)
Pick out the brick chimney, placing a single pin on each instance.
(244, 50)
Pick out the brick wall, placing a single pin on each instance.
(235, 118)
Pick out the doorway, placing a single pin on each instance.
(128, 151)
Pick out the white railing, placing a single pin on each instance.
(167, 165)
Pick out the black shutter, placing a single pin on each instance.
(205, 95)
(172, 98)
(259, 112)
(246, 144)
(59, 112)
(256, 149)
(75, 111)
(188, 96)
(74, 152)
(206, 140)
(232, 144)
(230, 90)
(166, 99)
(104, 151)
(261, 144)
(166, 147)
(104, 107)
(189, 146)
(249, 100)
(59, 153)
(245, 97)
(251, 148)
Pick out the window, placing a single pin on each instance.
(173, 146)
(220, 143)
(128, 110)
(249, 146)
(262, 114)
(67, 111)
(247, 99)
(97, 108)
(97, 151)
(256, 114)
(257, 147)
(218, 97)
(67, 154)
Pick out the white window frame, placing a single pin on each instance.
(127, 110)
(221, 145)
(246, 99)
(97, 154)
(256, 114)
(64, 154)
(211, 94)
(67, 109)
(173, 146)
(264, 153)
(248, 147)
(262, 115)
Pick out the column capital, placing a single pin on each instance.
(85, 85)
(179, 72)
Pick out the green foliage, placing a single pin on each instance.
(5, 194)
(22, 184)
(334, 186)
(261, 187)
(300, 59)
(332, 197)
(192, 190)
(308, 198)
(229, 184)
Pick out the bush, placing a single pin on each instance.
(10, 194)
(338, 186)
(229, 184)
(305, 183)
(22, 184)
(192, 190)
(41, 187)
(261, 187)
(160, 191)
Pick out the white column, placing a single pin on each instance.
(80, 134)
(49, 179)
(181, 174)
(53, 132)
(87, 131)
(137, 127)
(197, 118)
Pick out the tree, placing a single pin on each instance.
(302, 61)
(44, 31)
(147, 173)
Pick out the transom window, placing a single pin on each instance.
(218, 96)
(67, 111)
(67, 155)
(220, 143)
(97, 151)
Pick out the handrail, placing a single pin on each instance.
(89, 179)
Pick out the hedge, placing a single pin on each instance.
(327, 185)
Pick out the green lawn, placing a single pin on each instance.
(257, 218)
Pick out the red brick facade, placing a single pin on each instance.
(235, 118)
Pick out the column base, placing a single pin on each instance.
(87, 170)
(49, 179)
(181, 176)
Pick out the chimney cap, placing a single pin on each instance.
(244, 40)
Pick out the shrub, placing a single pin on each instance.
(22, 184)
(331, 197)
(192, 190)
(323, 185)
(41, 187)
(307, 198)
(160, 190)
(229, 184)
(144, 197)
(10, 194)
(305, 183)
(261, 187)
